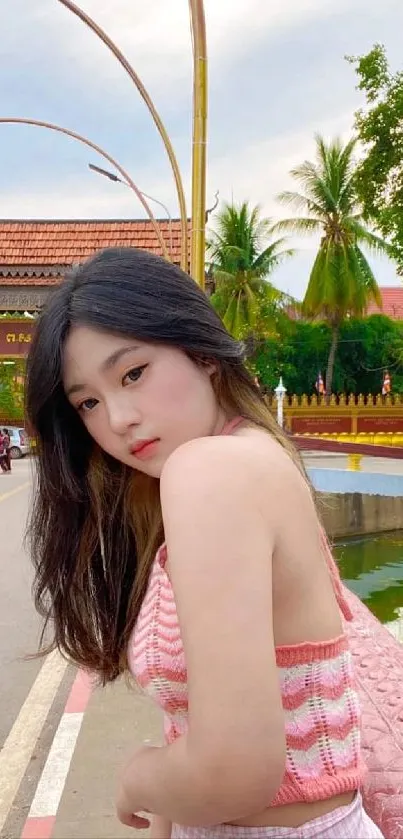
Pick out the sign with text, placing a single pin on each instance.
(15, 337)
(321, 425)
(380, 424)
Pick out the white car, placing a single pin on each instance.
(19, 442)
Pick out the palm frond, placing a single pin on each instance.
(372, 290)
(298, 226)
(230, 314)
(272, 256)
(300, 202)
(225, 278)
(316, 186)
(374, 243)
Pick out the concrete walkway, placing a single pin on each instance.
(117, 721)
(375, 465)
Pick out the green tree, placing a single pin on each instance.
(11, 390)
(367, 347)
(379, 126)
(250, 306)
(298, 357)
(341, 282)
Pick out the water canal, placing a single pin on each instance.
(372, 567)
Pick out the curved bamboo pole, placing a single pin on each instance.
(199, 157)
(50, 125)
(157, 120)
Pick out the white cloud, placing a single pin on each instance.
(155, 35)
(259, 171)
(68, 199)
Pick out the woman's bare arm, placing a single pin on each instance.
(231, 761)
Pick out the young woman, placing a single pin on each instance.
(174, 534)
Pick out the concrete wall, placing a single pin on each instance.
(356, 514)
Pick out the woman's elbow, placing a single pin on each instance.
(261, 777)
(242, 784)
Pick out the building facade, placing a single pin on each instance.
(35, 255)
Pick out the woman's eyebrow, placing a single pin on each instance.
(106, 365)
(112, 359)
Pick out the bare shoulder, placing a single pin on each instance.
(250, 459)
(221, 457)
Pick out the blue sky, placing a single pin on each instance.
(277, 76)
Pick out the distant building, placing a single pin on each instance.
(35, 255)
(392, 303)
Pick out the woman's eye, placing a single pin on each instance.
(87, 404)
(134, 374)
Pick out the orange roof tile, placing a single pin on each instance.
(392, 303)
(47, 247)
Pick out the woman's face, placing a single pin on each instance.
(139, 401)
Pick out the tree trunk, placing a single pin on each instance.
(210, 285)
(330, 362)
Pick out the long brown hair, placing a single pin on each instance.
(96, 524)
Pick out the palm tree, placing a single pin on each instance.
(341, 282)
(248, 304)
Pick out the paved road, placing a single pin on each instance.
(19, 625)
(61, 744)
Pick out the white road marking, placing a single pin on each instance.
(50, 787)
(21, 741)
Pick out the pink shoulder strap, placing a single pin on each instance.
(231, 425)
(335, 577)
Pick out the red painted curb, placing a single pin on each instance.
(42, 827)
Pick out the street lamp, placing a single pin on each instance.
(112, 177)
(280, 392)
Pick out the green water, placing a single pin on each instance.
(373, 569)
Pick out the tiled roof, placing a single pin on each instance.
(32, 279)
(40, 245)
(392, 303)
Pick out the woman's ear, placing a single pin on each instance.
(209, 366)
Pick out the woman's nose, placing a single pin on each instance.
(122, 416)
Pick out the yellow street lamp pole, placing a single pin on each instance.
(128, 180)
(199, 155)
(154, 113)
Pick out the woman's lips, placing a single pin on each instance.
(144, 449)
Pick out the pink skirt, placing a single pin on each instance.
(348, 822)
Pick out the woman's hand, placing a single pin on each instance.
(128, 799)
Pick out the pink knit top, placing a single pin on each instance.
(320, 702)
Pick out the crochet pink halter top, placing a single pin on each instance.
(320, 702)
